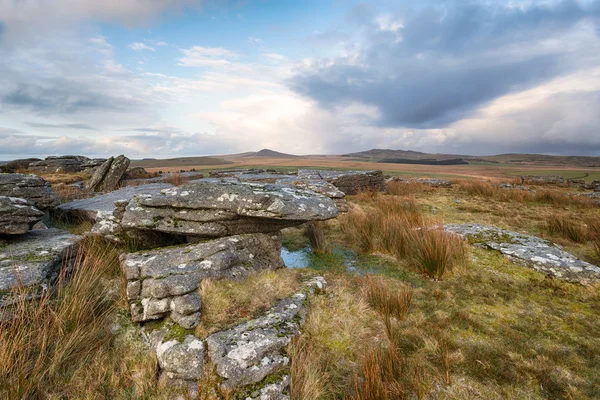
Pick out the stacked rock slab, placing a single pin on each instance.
(164, 282)
(243, 221)
(217, 209)
(35, 259)
(17, 216)
(36, 190)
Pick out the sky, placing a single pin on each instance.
(172, 78)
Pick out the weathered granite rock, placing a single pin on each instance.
(17, 216)
(274, 391)
(102, 206)
(15, 165)
(530, 251)
(36, 190)
(115, 173)
(64, 164)
(164, 282)
(349, 182)
(36, 257)
(209, 208)
(433, 182)
(99, 175)
(138, 173)
(249, 352)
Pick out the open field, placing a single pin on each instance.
(478, 170)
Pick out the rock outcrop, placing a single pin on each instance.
(216, 209)
(17, 165)
(530, 251)
(36, 190)
(17, 216)
(107, 177)
(165, 281)
(64, 164)
(350, 182)
(35, 259)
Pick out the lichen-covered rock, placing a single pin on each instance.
(102, 210)
(99, 175)
(273, 391)
(530, 251)
(249, 352)
(17, 216)
(36, 257)
(181, 360)
(36, 190)
(349, 182)
(212, 208)
(164, 282)
(15, 165)
(115, 173)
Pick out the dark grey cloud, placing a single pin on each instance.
(431, 67)
(61, 126)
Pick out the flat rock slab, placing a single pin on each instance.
(249, 352)
(102, 206)
(213, 208)
(164, 282)
(36, 257)
(36, 190)
(17, 216)
(530, 251)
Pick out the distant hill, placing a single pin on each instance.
(267, 153)
(413, 157)
(179, 162)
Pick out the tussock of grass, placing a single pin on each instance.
(339, 327)
(594, 234)
(176, 179)
(407, 188)
(565, 227)
(308, 373)
(435, 252)
(225, 303)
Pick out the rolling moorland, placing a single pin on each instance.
(433, 281)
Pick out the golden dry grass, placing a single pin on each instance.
(562, 226)
(176, 178)
(225, 302)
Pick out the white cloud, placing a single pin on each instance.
(137, 46)
(206, 57)
(255, 40)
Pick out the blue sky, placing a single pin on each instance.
(174, 78)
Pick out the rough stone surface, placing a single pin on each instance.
(181, 360)
(164, 282)
(101, 207)
(64, 164)
(138, 173)
(530, 251)
(36, 190)
(35, 258)
(274, 391)
(99, 175)
(350, 182)
(115, 173)
(17, 216)
(212, 208)
(249, 352)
